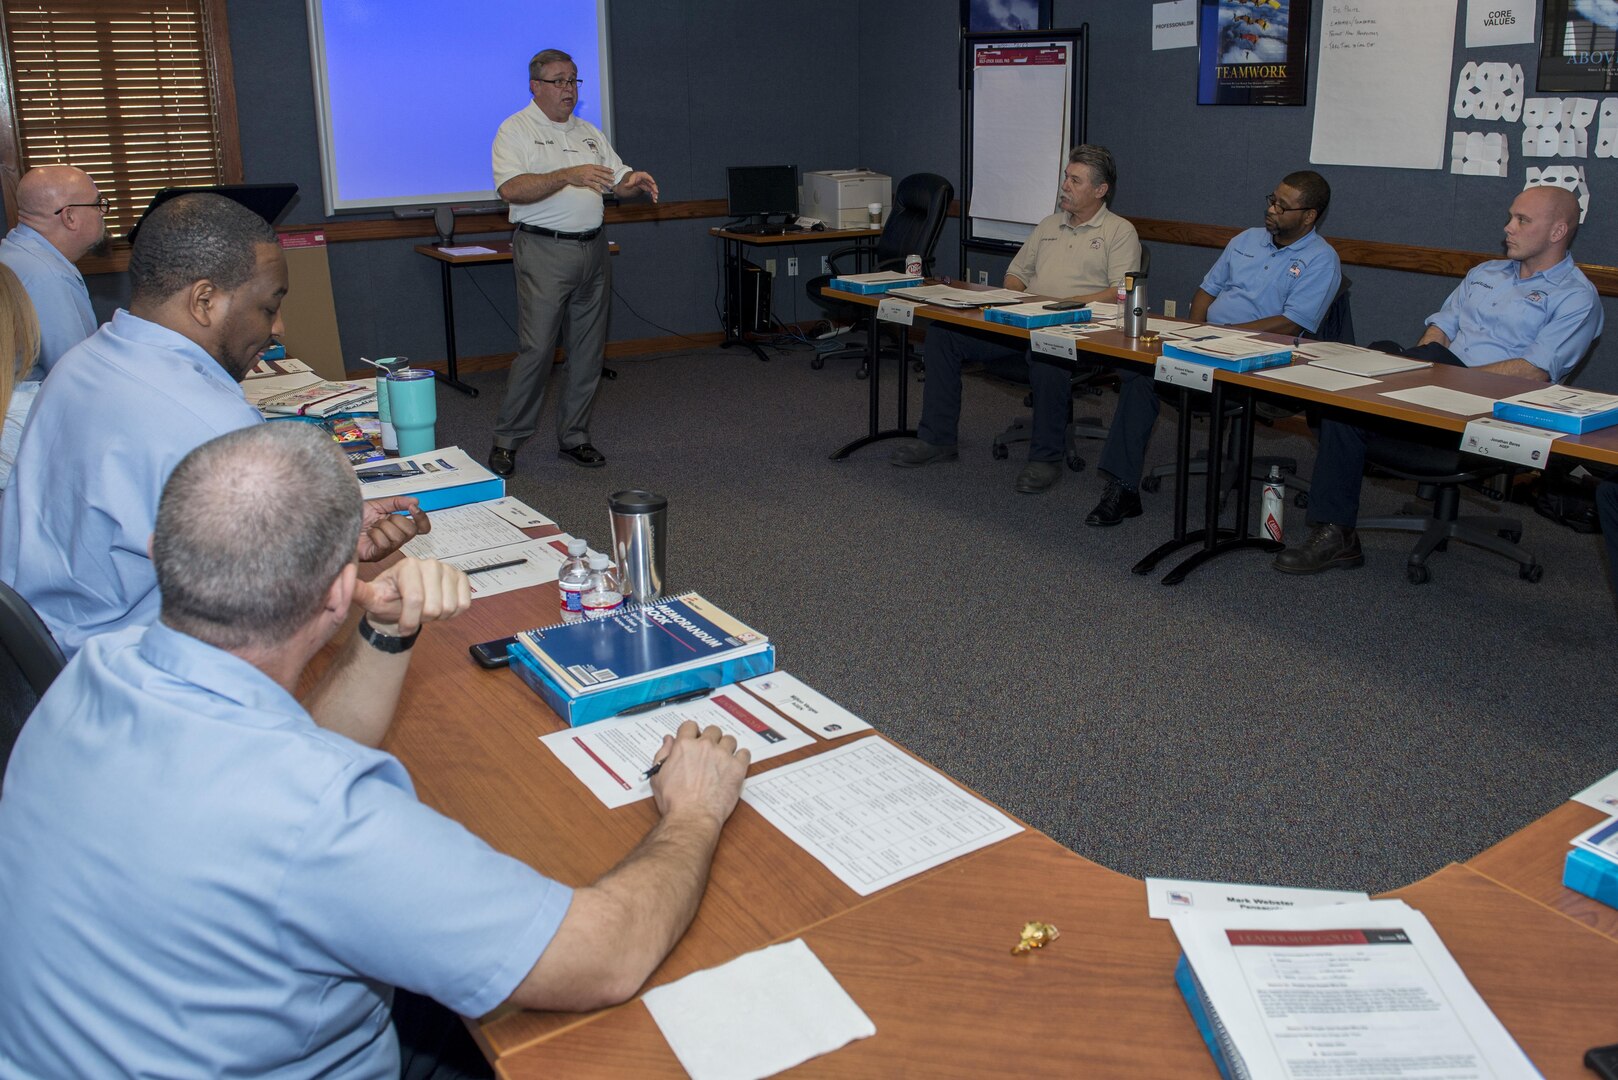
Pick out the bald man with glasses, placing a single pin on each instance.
(61, 217)
(1279, 279)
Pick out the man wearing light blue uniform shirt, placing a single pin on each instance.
(61, 217)
(1279, 279)
(122, 407)
(201, 878)
(1533, 314)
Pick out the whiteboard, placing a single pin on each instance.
(1382, 93)
(409, 93)
(1022, 123)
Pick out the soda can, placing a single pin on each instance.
(912, 264)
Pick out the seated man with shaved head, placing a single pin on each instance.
(1532, 314)
(125, 405)
(61, 217)
(200, 878)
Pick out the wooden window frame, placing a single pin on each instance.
(222, 81)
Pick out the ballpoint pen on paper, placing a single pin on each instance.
(653, 771)
(494, 566)
(677, 699)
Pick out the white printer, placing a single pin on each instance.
(841, 197)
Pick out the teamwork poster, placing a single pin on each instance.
(1253, 52)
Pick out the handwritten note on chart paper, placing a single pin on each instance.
(873, 815)
(1382, 95)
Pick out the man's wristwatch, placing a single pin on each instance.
(386, 642)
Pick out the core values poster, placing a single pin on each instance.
(1253, 52)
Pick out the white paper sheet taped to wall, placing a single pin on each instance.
(1557, 127)
(1489, 92)
(1478, 153)
(1570, 177)
(1383, 93)
(1607, 129)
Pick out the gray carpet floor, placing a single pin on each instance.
(1345, 731)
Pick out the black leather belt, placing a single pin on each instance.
(554, 235)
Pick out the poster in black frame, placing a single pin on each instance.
(1253, 52)
(1578, 49)
(978, 16)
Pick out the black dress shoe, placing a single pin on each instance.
(1325, 547)
(502, 462)
(584, 454)
(1117, 503)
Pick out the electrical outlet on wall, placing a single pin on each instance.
(792, 267)
(1169, 308)
(983, 277)
(769, 266)
(825, 264)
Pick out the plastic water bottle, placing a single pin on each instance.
(603, 594)
(575, 577)
(1270, 509)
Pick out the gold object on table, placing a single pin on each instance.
(1035, 935)
(1148, 340)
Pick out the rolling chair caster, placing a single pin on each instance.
(1151, 484)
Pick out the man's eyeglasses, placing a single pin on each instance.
(1276, 204)
(103, 204)
(565, 84)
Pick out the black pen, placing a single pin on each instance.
(653, 771)
(677, 699)
(494, 566)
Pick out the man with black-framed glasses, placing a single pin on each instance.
(553, 168)
(61, 217)
(1280, 279)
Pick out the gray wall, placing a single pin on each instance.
(709, 83)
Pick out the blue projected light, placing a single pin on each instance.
(411, 92)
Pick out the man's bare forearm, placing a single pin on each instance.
(534, 187)
(1518, 367)
(618, 930)
(357, 694)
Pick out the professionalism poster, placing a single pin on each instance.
(1253, 52)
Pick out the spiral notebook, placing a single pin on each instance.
(642, 653)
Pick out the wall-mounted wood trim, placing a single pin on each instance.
(1410, 258)
(1444, 262)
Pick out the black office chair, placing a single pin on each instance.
(29, 661)
(1088, 378)
(1336, 325)
(920, 205)
(1440, 473)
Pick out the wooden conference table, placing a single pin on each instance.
(1599, 447)
(929, 959)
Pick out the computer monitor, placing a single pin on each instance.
(757, 191)
(268, 201)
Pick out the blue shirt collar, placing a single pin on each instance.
(1554, 274)
(1297, 245)
(33, 240)
(221, 674)
(143, 332)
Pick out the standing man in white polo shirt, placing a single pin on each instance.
(553, 168)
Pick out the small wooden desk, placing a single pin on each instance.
(864, 241)
(500, 252)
